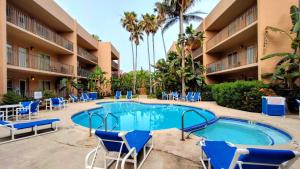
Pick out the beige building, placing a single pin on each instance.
(41, 44)
(235, 38)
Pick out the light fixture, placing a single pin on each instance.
(32, 78)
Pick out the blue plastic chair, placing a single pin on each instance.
(118, 95)
(84, 97)
(196, 97)
(175, 95)
(73, 98)
(189, 96)
(131, 144)
(273, 106)
(129, 95)
(164, 96)
(13, 127)
(25, 104)
(220, 154)
(31, 109)
(56, 103)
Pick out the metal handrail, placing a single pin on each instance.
(91, 114)
(182, 121)
(105, 120)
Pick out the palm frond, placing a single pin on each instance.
(169, 22)
(274, 54)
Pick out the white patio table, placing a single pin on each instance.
(13, 107)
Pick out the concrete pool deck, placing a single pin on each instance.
(68, 147)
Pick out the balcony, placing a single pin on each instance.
(115, 74)
(24, 21)
(114, 65)
(83, 72)
(239, 24)
(43, 64)
(86, 55)
(234, 61)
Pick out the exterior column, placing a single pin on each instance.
(3, 36)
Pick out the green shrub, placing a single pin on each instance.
(49, 94)
(158, 93)
(11, 98)
(242, 95)
(206, 94)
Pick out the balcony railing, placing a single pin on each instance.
(234, 60)
(115, 73)
(85, 54)
(249, 17)
(83, 72)
(114, 64)
(198, 52)
(22, 20)
(38, 62)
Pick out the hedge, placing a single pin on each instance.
(242, 95)
(206, 93)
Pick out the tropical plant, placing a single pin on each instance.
(11, 98)
(287, 70)
(129, 22)
(192, 38)
(177, 11)
(147, 24)
(96, 78)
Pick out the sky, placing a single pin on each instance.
(103, 19)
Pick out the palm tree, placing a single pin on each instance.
(160, 8)
(193, 37)
(154, 29)
(137, 36)
(128, 22)
(146, 24)
(176, 11)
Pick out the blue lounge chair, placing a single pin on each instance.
(84, 97)
(25, 104)
(73, 98)
(164, 96)
(126, 145)
(118, 95)
(56, 103)
(298, 101)
(223, 155)
(189, 96)
(14, 127)
(129, 95)
(31, 109)
(196, 97)
(175, 96)
(273, 106)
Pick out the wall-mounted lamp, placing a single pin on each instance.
(32, 78)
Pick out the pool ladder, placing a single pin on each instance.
(104, 120)
(182, 123)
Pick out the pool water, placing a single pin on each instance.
(243, 132)
(139, 116)
(134, 115)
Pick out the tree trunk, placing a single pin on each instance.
(132, 50)
(135, 67)
(193, 64)
(182, 53)
(149, 62)
(153, 47)
(164, 44)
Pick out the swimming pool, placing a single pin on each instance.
(140, 116)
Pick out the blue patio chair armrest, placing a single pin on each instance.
(130, 153)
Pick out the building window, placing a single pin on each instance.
(9, 54)
(44, 85)
(9, 85)
(249, 17)
(233, 60)
(250, 55)
(22, 57)
(44, 62)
